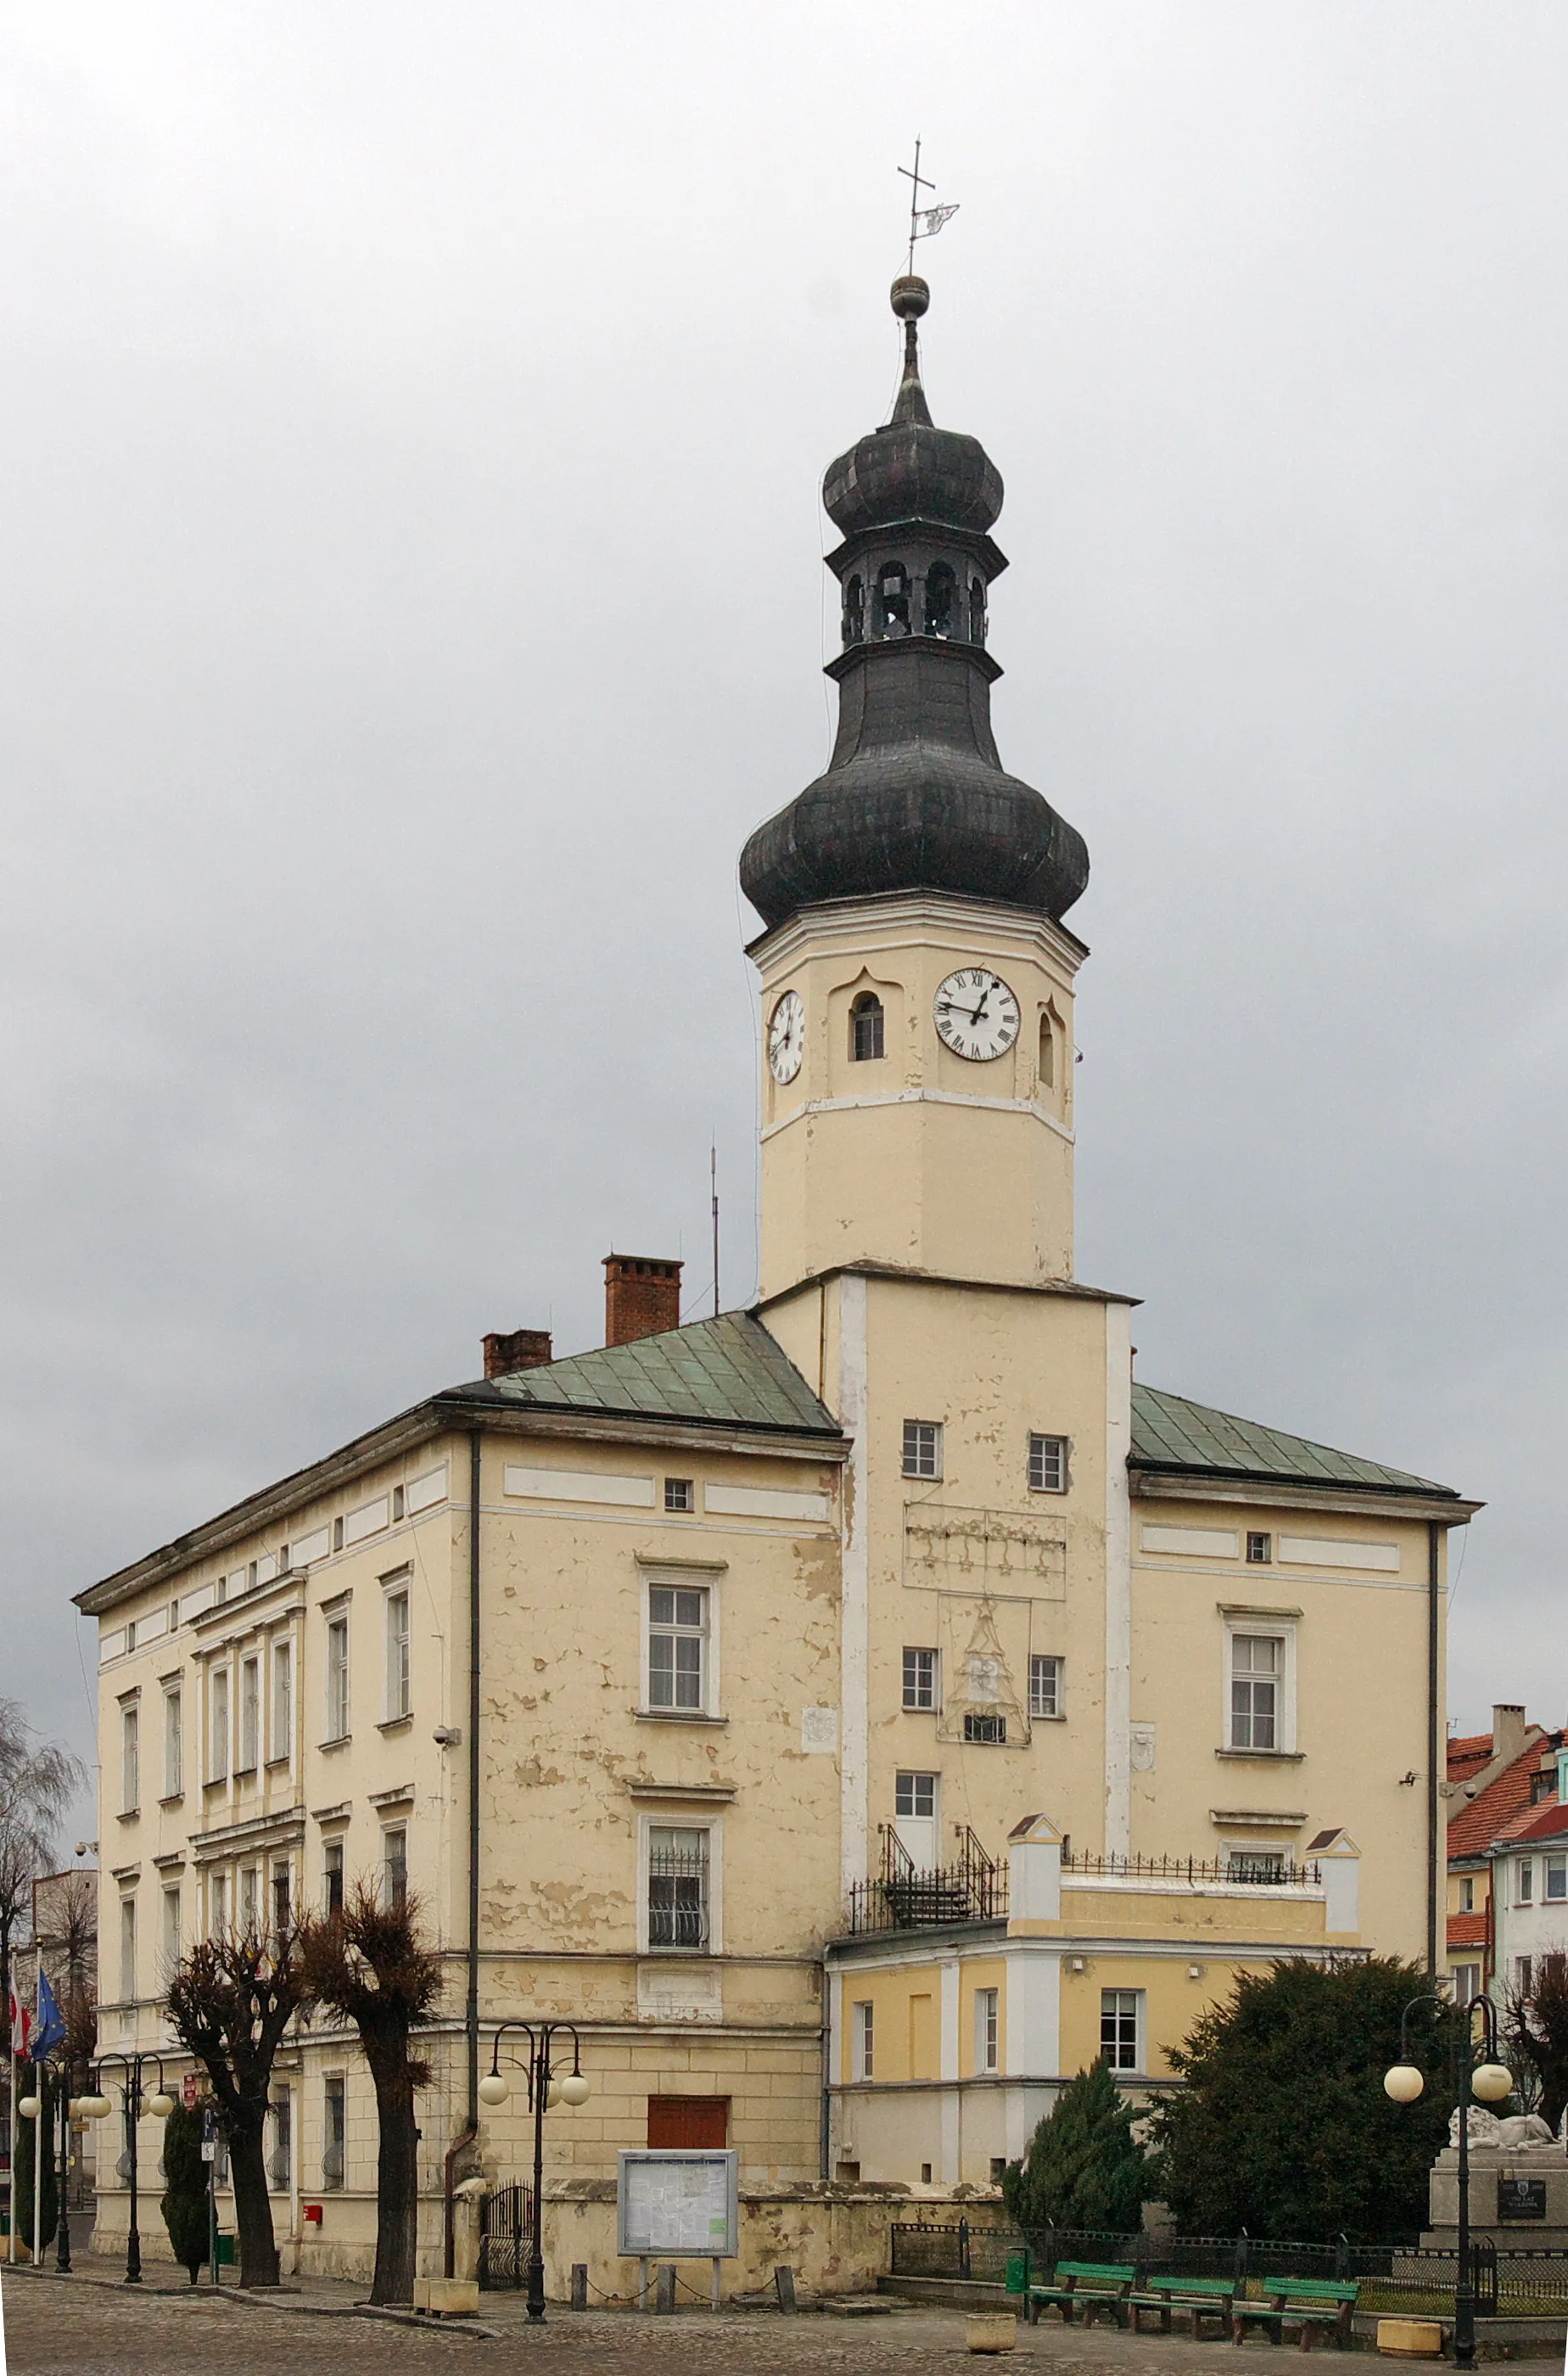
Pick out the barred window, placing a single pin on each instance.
(984, 1725)
(677, 1887)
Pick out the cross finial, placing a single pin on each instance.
(924, 221)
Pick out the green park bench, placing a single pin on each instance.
(1307, 2302)
(1195, 2297)
(1089, 2285)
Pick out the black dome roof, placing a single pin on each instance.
(910, 471)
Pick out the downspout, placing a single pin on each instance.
(475, 1443)
(1434, 1536)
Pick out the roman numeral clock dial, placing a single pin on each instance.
(787, 1036)
(977, 1015)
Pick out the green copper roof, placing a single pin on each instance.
(725, 1372)
(1174, 1434)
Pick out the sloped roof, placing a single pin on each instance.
(1171, 1433)
(1480, 1820)
(1467, 1929)
(1467, 1753)
(1547, 1822)
(723, 1372)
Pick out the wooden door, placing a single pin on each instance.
(687, 2123)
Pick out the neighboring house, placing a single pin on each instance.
(683, 1678)
(1529, 1892)
(1493, 1779)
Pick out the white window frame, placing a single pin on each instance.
(1249, 1623)
(173, 1922)
(1046, 1452)
(173, 1740)
(1554, 1868)
(1466, 1893)
(389, 1833)
(862, 2049)
(333, 1865)
(398, 1680)
(1524, 1974)
(338, 1707)
(987, 2031)
(281, 1708)
(249, 1725)
(683, 1819)
(334, 2088)
(1140, 2026)
(916, 1449)
(1525, 1882)
(128, 1946)
(130, 1755)
(1466, 1980)
(218, 1741)
(1054, 1714)
(917, 1706)
(676, 1579)
(248, 1911)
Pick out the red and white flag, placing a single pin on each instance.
(21, 2025)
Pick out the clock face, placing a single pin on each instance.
(787, 1036)
(977, 1015)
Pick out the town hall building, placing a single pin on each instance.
(855, 1712)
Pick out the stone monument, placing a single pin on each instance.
(1518, 2183)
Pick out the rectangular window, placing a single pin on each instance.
(173, 1743)
(1556, 1878)
(1048, 1464)
(1467, 1983)
(172, 1926)
(1257, 1865)
(335, 2131)
(249, 1714)
(338, 1677)
(1119, 2024)
(217, 1905)
(279, 2158)
(1257, 1663)
(217, 1726)
(677, 1887)
(332, 1895)
(677, 1647)
(865, 2041)
(282, 1700)
(1466, 1895)
(919, 1679)
(915, 1794)
(679, 1494)
(397, 1699)
(1260, 1550)
(984, 1725)
(282, 1901)
(1524, 1971)
(922, 1448)
(250, 1893)
(127, 1949)
(1526, 1889)
(394, 1865)
(987, 2027)
(130, 1759)
(1045, 1686)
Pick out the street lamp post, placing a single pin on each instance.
(1492, 2081)
(160, 2104)
(543, 2090)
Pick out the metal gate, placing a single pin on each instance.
(506, 2227)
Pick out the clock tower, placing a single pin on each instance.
(917, 1104)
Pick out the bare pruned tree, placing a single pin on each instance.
(1535, 2037)
(38, 1781)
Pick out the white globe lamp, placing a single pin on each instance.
(493, 2088)
(1404, 2083)
(574, 2090)
(1493, 2082)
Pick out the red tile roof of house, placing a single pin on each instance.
(1467, 1929)
(1467, 1753)
(1548, 1822)
(1473, 1826)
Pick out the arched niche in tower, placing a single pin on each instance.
(854, 609)
(890, 601)
(942, 601)
(977, 608)
(864, 1032)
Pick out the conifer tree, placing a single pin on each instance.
(185, 2206)
(1084, 2167)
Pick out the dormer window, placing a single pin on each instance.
(866, 1028)
(941, 601)
(892, 617)
(854, 612)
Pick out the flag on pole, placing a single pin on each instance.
(930, 220)
(51, 2021)
(21, 2025)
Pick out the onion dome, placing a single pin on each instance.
(915, 796)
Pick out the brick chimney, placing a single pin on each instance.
(642, 1297)
(1508, 1730)
(524, 1348)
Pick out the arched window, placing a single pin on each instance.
(976, 610)
(865, 1029)
(891, 616)
(854, 612)
(941, 601)
(1047, 1053)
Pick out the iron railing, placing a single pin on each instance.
(677, 1894)
(506, 2221)
(1256, 1870)
(903, 1896)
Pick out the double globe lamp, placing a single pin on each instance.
(1490, 2081)
(573, 2089)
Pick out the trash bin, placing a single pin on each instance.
(226, 2254)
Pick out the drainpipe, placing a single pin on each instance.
(475, 1443)
(1434, 1745)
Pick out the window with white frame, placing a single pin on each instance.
(1045, 1685)
(1260, 1550)
(678, 1661)
(127, 1949)
(922, 1448)
(130, 1757)
(397, 1676)
(283, 1701)
(1554, 1878)
(1121, 2026)
(1524, 1974)
(865, 2040)
(173, 1741)
(250, 1895)
(1048, 1464)
(988, 2025)
(249, 1714)
(335, 2131)
(172, 1925)
(280, 2156)
(1466, 1894)
(332, 1877)
(919, 1679)
(282, 1899)
(217, 1724)
(1466, 1978)
(338, 1677)
(217, 1905)
(678, 1878)
(1257, 1695)
(395, 1864)
(1524, 1891)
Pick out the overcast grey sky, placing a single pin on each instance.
(414, 417)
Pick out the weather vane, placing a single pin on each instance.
(924, 221)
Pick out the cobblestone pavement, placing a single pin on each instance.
(71, 2327)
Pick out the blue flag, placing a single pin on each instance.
(51, 2021)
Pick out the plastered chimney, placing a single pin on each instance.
(642, 1297)
(1508, 1730)
(522, 1348)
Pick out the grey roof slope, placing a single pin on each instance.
(723, 1372)
(1172, 1435)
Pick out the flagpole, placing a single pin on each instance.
(38, 2121)
(11, 2145)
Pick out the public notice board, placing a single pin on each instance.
(677, 2205)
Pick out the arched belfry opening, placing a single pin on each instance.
(868, 1029)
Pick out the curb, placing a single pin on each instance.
(243, 2300)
